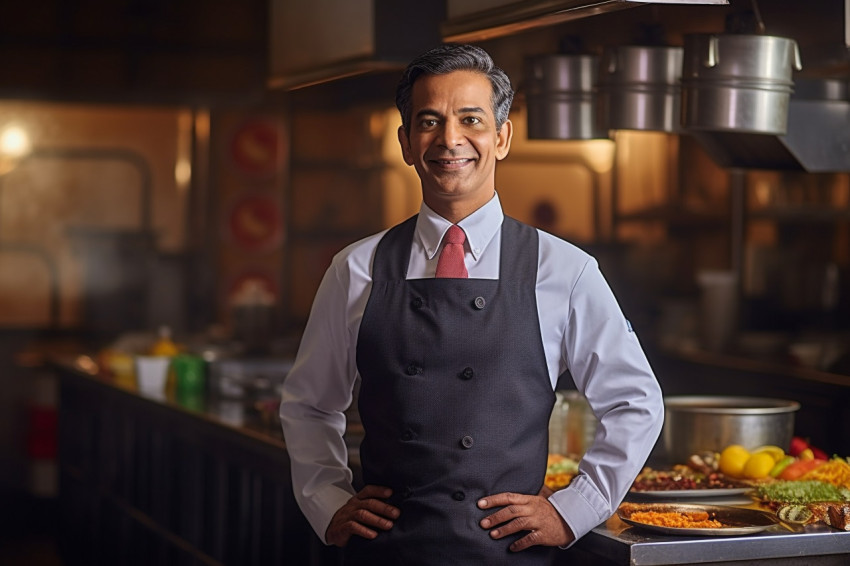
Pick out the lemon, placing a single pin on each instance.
(732, 460)
(758, 466)
(775, 452)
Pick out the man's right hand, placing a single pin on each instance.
(361, 515)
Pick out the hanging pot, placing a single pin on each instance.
(639, 88)
(733, 82)
(560, 96)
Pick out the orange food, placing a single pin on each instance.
(677, 519)
(796, 470)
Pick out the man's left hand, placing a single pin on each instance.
(531, 513)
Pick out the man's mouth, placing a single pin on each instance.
(453, 162)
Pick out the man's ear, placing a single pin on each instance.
(404, 142)
(503, 140)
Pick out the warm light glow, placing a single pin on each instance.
(14, 142)
(599, 154)
(183, 161)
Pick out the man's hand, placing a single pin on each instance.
(521, 512)
(361, 515)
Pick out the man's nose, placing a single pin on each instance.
(452, 135)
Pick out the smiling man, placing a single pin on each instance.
(458, 322)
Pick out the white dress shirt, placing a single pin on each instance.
(583, 329)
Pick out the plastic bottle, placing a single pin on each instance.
(164, 345)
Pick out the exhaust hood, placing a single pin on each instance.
(817, 139)
(478, 20)
(315, 41)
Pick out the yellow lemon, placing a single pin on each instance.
(732, 460)
(775, 452)
(758, 466)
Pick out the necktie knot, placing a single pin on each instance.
(455, 235)
(451, 262)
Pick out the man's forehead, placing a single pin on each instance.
(468, 90)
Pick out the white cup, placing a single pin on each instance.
(152, 374)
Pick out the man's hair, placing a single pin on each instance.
(448, 58)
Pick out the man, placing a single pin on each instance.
(458, 373)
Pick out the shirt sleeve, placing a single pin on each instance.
(316, 392)
(610, 368)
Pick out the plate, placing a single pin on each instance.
(736, 520)
(692, 493)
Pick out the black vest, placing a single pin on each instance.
(455, 401)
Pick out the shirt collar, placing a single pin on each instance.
(479, 227)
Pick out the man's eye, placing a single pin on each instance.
(472, 120)
(429, 123)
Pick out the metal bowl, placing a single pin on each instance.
(694, 424)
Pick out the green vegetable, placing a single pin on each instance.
(808, 491)
(781, 465)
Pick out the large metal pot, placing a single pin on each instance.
(561, 98)
(742, 83)
(694, 424)
(639, 88)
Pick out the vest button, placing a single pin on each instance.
(417, 303)
(408, 435)
(407, 493)
(467, 441)
(458, 496)
(479, 303)
(467, 373)
(413, 369)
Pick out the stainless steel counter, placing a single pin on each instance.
(620, 543)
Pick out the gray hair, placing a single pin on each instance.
(448, 58)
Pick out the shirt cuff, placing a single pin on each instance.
(579, 505)
(323, 505)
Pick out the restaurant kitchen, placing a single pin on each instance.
(195, 167)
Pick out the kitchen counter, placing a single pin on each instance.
(209, 478)
(619, 543)
(166, 480)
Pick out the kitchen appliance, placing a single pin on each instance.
(694, 424)
(817, 139)
(476, 20)
(638, 88)
(560, 94)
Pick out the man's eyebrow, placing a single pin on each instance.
(428, 112)
(471, 110)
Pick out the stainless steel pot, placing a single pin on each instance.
(694, 424)
(734, 82)
(639, 88)
(561, 98)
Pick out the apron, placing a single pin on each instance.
(455, 401)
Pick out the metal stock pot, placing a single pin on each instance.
(733, 82)
(694, 424)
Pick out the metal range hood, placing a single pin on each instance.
(478, 20)
(817, 138)
(317, 41)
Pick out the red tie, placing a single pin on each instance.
(451, 262)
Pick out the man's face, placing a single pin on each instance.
(453, 143)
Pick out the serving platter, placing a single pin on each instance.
(691, 493)
(736, 521)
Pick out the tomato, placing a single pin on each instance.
(798, 444)
(796, 469)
